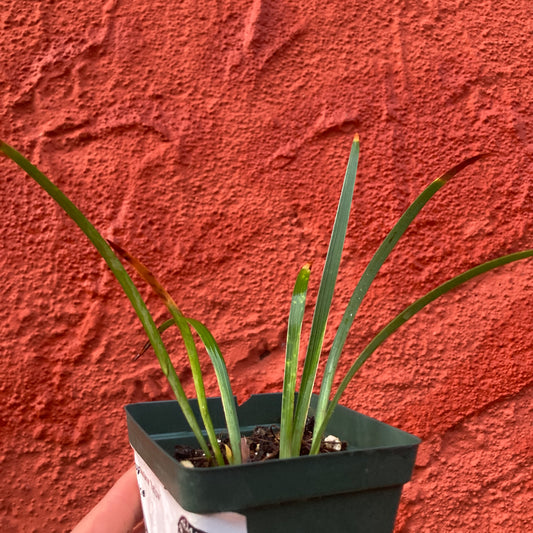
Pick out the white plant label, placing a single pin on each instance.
(163, 514)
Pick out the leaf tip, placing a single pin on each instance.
(467, 162)
(116, 247)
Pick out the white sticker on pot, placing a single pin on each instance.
(163, 514)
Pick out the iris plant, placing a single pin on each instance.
(295, 407)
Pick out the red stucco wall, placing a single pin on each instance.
(212, 143)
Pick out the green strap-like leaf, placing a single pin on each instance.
(324, 297)
(228, 400)
(294, 330)
(224, 385)
(403, 317)
(188, 341)
(368, 276)
(123, 278)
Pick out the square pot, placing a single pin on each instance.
(356, 490)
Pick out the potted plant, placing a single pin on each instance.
(356, 489)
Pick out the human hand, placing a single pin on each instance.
(119, 511)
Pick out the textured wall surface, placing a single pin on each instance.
(212, 143)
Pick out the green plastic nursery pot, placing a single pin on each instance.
(356, 490)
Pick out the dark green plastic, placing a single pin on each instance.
(356, 490)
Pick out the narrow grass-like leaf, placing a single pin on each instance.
(368, 276)
(292, 351)
(224, 385)
(403, 317)
(324, 297)
(122, 277)
(188, 340)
